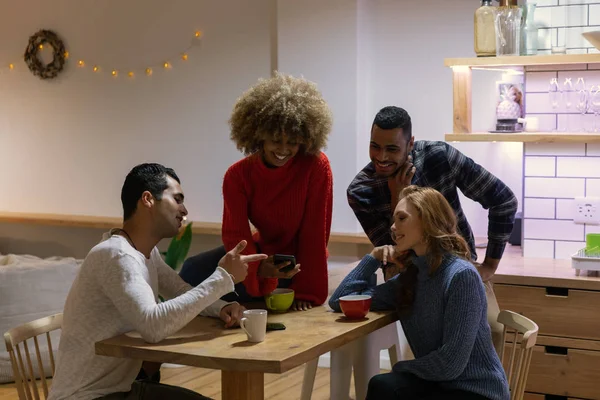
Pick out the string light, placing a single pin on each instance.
(131, 73)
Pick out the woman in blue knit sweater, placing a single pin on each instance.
(442, 306)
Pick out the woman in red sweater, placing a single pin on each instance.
(284, 188)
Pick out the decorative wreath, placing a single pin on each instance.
(52, 69)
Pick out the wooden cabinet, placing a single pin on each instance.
(566, 358)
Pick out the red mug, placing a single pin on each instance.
(355, 306)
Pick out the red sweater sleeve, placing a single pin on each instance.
(310, 283)
(236, 227)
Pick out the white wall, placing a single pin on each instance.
(318, 39)
(82, 133)
(68, 143)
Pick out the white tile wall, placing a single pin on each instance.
(550, 149)
(592, 187)
(588, 167)
(564, 209)
(592, 229)
(538, 248)
(540, 166)
(567, 2)
(540, 208)
(554, 187)
(552, 229)
(567, 249)
(594, 14)
(556, 173)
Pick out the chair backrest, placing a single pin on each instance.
(20, 357)
(517, 367)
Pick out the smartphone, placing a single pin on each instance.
(275, 326)
(281, 258)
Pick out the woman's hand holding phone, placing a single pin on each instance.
(269, 269)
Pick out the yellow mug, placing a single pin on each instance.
(280, 300)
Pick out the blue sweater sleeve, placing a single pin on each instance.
(462, 317)
(361, 281)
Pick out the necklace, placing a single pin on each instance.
(128, 237)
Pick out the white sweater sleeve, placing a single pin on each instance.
(122, 281)
(170, 285)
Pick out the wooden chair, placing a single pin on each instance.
(517, 368)
(16, 345)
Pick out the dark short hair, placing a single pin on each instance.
(144, 177)
(392, 117)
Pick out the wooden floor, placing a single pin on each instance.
(286, 386)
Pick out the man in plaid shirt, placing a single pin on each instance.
(398, 161)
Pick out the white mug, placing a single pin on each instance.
(254, 323)
(532, 124)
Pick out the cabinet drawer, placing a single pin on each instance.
(563, 372)
(557, 311)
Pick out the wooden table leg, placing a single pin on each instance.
(236, 385)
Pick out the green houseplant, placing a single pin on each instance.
(179, 248)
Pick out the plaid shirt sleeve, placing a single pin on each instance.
(376, 228)
(480, 185)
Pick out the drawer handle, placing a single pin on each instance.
(555, 397)
(563, 351)
(557, 292)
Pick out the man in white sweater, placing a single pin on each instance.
(117, 289)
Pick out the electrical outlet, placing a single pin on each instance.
(587, 210)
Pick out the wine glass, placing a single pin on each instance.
(582, 97)
(554, 96)
(568, 99)
(595, 104)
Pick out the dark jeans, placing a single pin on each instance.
(405, 386)
(147, 390)
(199, 267)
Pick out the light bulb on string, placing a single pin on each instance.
(66, 54)
(114, 72)
(167, 65)
(11, 66)
(81, 63)
(148, 71)
(41, 47)
(197, 38)
(184, 56)
(96, 68)
(130, 74)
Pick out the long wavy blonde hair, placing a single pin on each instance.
(438, 222)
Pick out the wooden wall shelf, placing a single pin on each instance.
(523, 61)
(89, 221)
(525, 137)
(462, 77)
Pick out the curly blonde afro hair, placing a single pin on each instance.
(280, 105)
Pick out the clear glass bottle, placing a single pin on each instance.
(508, 28)
(529, 31)
(485, 30)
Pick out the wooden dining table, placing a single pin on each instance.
(205, 343)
